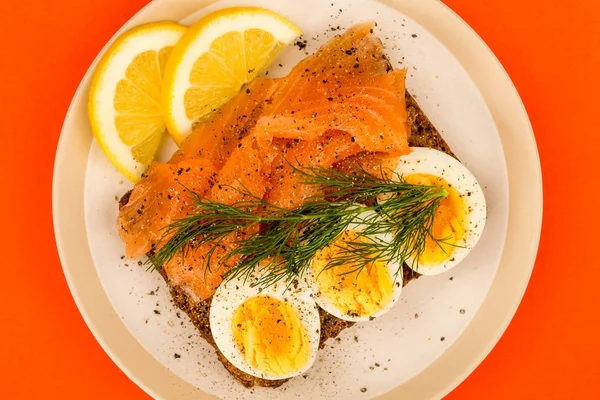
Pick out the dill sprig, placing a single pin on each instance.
(396, 217)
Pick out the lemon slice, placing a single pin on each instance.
(125, 94)
(215, 58)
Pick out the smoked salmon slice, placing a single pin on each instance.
(158, 200)
(341, 107)
(371, 110)
(347, 85)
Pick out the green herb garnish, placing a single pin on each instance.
(289, 239)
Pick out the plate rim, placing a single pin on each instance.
(158, 382)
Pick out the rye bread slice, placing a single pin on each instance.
(423, 134)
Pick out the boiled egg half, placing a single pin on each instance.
(351, 295)
(461, 216)
(271, 333)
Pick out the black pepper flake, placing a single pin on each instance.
(140, 263)
(330, 98)
(442, 339)
(414, 35)
(462, 311)
(356, 65)
(156, 312)
(247, 90)
(176, 355)
(301, 45)
(363, 390)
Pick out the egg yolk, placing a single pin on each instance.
(449, 224)
(270, 335)
(354, 294)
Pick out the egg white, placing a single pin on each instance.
(231, 294)
(424, 160)
(394, 269)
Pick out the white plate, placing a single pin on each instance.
(451, 86)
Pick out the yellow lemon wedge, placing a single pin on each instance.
(124, 103)
(215, 58)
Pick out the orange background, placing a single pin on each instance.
(552, 52)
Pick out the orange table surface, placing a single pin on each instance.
(551, 50)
